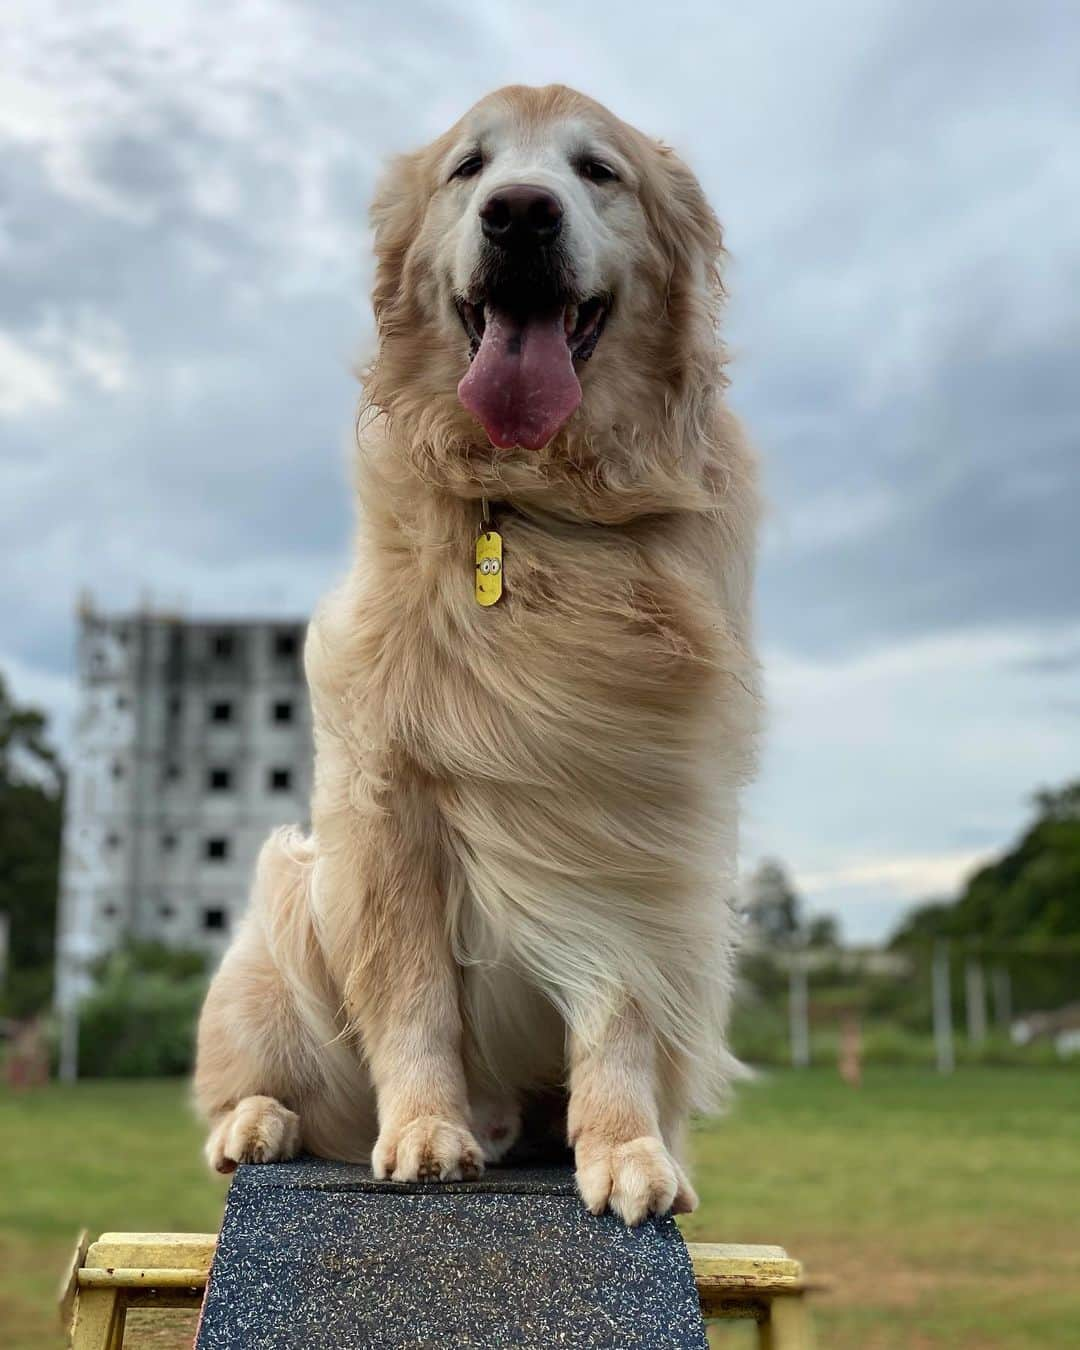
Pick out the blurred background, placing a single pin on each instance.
(184, 270)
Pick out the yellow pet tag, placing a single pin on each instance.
(488, 567)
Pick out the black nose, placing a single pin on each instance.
(521, 216)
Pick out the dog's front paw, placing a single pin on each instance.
(634, 1179)
(256, 1130)
(429, 1148)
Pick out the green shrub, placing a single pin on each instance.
(140, 1020)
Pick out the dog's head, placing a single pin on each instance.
(544, 272)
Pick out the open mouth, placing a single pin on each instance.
(582, 324)
(521, 383)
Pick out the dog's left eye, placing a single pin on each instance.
(469, 167)
(596, 171)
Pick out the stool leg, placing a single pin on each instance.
(788, 1327)
(99, 1320)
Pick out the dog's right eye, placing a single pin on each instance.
(469, 167)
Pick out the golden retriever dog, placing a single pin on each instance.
(517, 886)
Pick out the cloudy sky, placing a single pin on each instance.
(184, 262)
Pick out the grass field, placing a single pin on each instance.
(947, 1211)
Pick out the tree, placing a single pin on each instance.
(1031, 891)
(1024, 907)
(773, 907)
(823, 931)
(1059, 803)
(31, 797)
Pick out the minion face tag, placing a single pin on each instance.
(488, 567)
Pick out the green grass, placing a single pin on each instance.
(102, 1155)
(946, 1211)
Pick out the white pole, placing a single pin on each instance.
(69, 1043)
(975, 1001)
(943, 1032)
(799, 1013)
(69, 992)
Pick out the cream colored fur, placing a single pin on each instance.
(524, 818)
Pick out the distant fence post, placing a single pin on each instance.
(975, 1001)
(943, 1031)
(799, 1013)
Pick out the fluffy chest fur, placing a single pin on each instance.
(603, 658)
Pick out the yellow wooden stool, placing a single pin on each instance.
(169, 1270)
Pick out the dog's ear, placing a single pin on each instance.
(689, 241)
(684, 223)
(396, 215)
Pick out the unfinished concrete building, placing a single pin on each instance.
(192, 741)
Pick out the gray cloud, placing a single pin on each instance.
(1060, 662)
(184, 266)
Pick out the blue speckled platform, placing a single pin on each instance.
(317, 1254)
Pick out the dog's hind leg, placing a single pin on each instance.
(256, 1130)
(496, 1123)
(273, 1072)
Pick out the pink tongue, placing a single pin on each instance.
(521, 384)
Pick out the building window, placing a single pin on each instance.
(285, 645)
(280, 780)
(166, 911)
(219, 780)
(217, 848)
(221, 710)
(282, 710)
(214, 919)
(168, 843)
(223, 646)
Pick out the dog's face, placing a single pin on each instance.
(540, 257)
